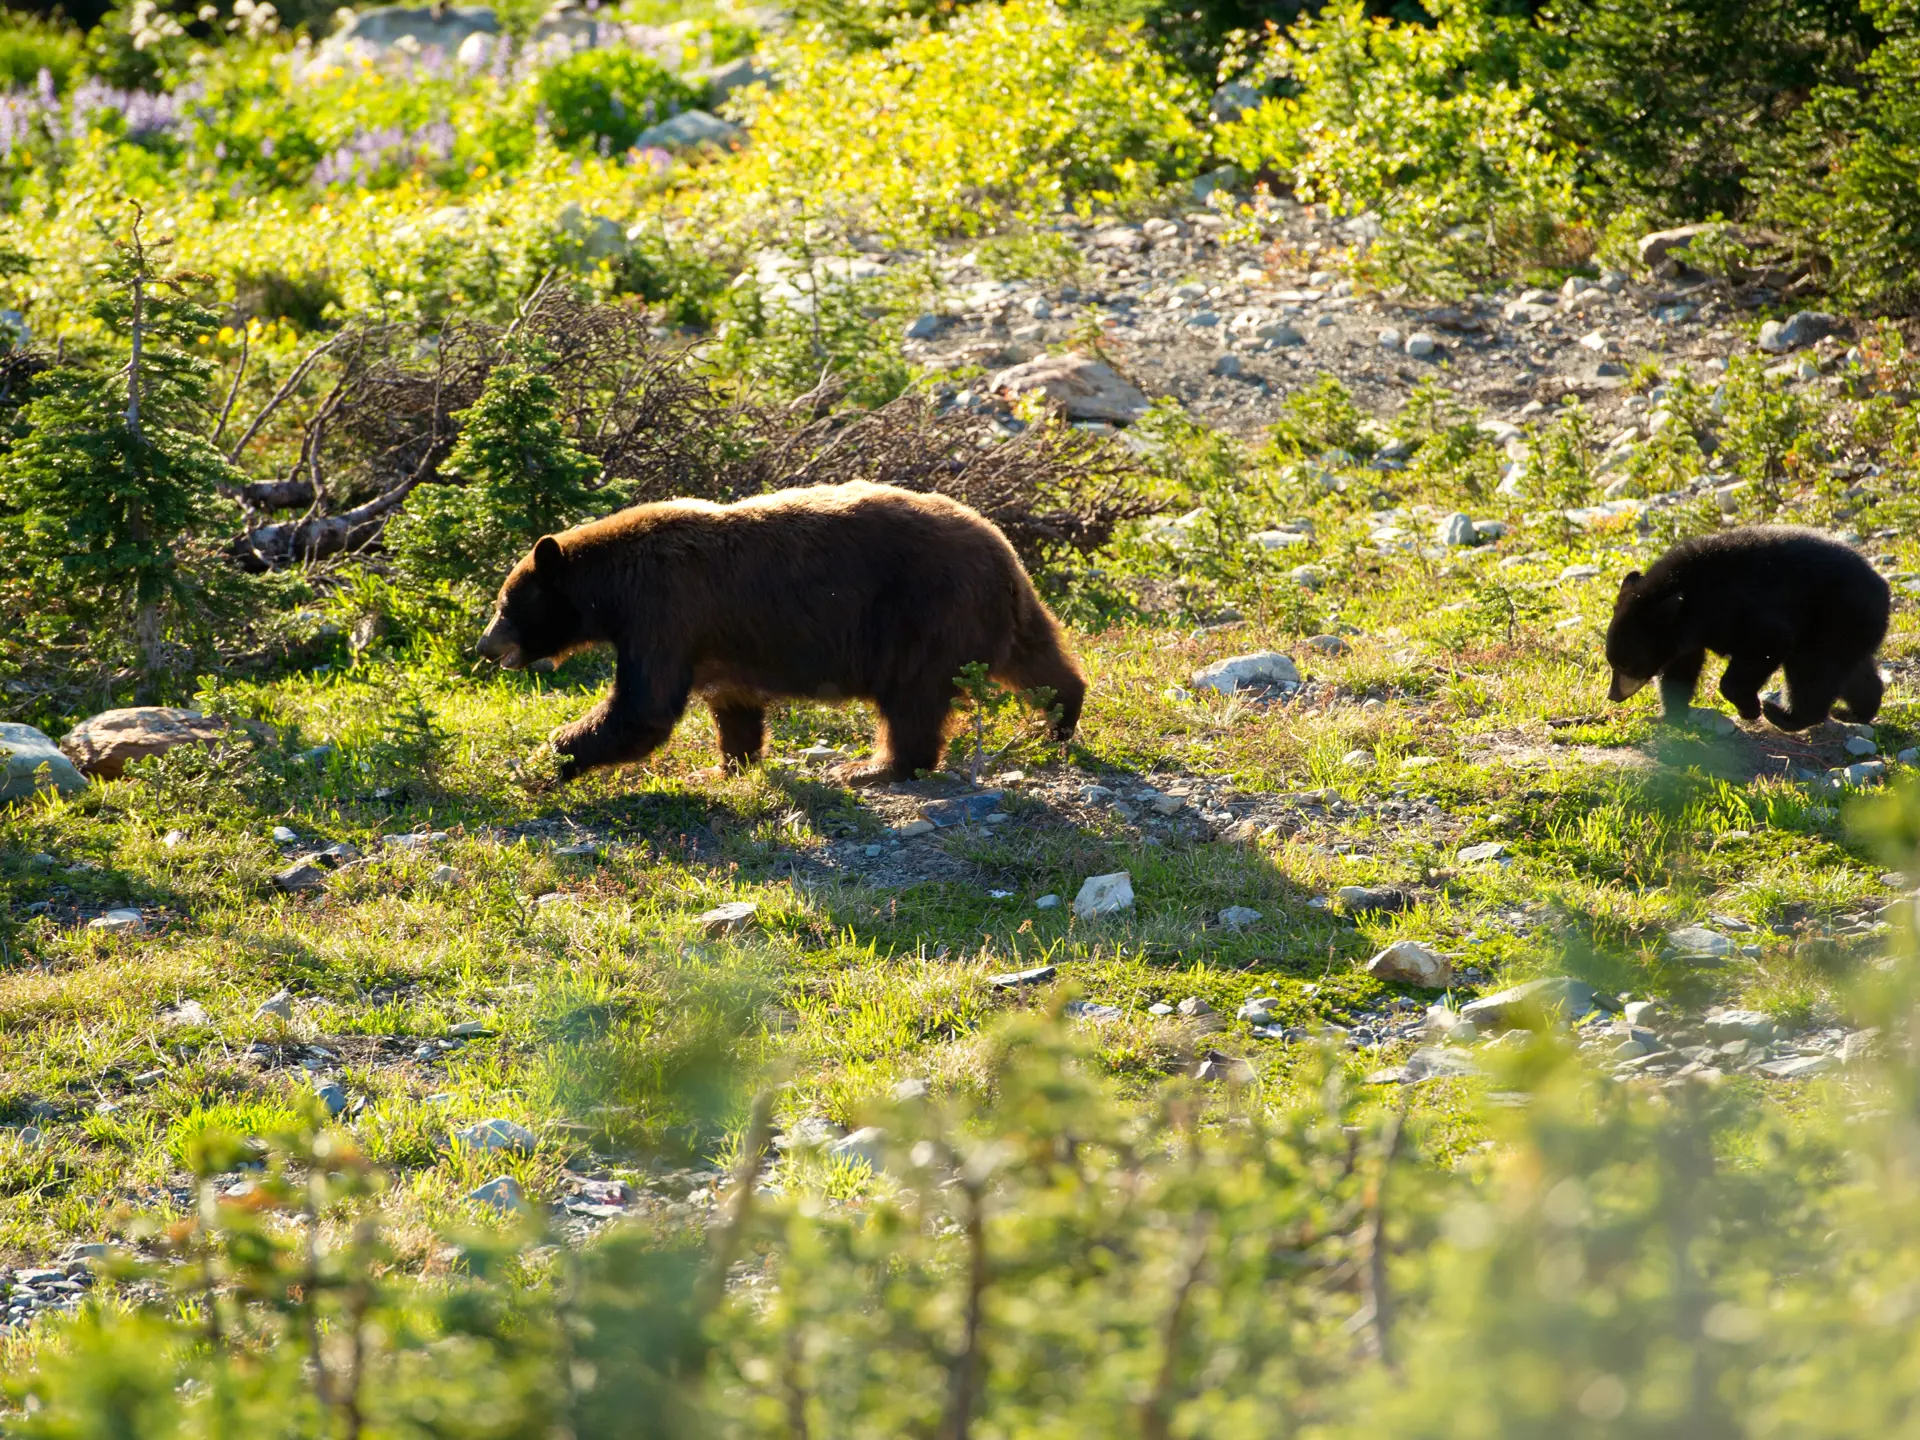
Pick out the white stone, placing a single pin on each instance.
(118, 922)
(727, 919)
(1244, 672)
(1047, 902)
(1104, 895)
(688, 129)
(1084, 389)
(1420, 345)
(1390, 339)
(1239, 917)
(866, 1144)
(1480, 854)
(1408, 962)
(1456, 529)
(1860, 745)
(502, 1193)
(279, 1005)
(1697, 942)
(1278, 539)
(498, 1134)
(23, 752)
(1596, 341)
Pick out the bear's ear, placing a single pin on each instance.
(1631, 579)
(549, 561)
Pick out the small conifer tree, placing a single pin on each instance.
(524, 478)
(113, 474)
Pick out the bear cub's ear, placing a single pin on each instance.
(549, 562)
(1631, 579)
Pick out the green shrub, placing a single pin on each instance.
(607, 97)
(29, 45)
(1416, 124)
(1847, 178)
(1012, 112)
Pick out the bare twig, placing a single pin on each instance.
(1379, 1295)
(746, 1176)
(965, 1372)
(233, 391)
(286, 389)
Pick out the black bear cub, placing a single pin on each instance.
(830, 592)
(1768, 598)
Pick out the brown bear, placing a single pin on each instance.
(829, 592)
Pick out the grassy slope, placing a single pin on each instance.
(1617, 832)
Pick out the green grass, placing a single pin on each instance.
(600, 1006)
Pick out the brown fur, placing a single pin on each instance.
(830, 592)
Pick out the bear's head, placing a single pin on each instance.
(1643, 637)
(534, 619)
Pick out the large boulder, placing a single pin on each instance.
(103, 746)
(390, 32)
(686, 131)
(23, 751)
(1084, 388)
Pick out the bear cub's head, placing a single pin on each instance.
(533, 619)
(1643, 637)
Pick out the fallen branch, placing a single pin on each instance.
(316, 537)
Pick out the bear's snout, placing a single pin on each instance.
(1624, 687)
(497, 645)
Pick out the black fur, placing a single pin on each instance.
(1768, 598)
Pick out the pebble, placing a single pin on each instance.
(1551, 993)
(1016, 979)
(914, 829)
(1239, 917)
(1456, 530)
(1481, 854)
(1047, 902)
(945, 813)
(301, 877)
(1420, 345)
(173, 839)
(283, 836)
(1697, 944)
(118, 922)
(330, 1095)
(443, 875)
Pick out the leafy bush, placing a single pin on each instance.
(607, 97)
(29, 45)
(1414, 123)
(1846, 179)
(1014, 111)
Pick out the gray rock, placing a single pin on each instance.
(1083, 388)
(118, 922)
(1215, 1066)
(1308, 577)
(1778, 337)
(1408, 962)
(1861, 746)
(924, 327)
(1228, 367)
(498, 1134)
(1232, 100)
(1724, 1025)
(24, 751)
(1119, 237)
(1481, 854)
(1550, 995)
(278, 1005)
(1245, 672)
(1239, 917)
(1047, 902)
(945, 813)
(1420, 345)
(1696, 943)
(687, 130)
(187, 1012)
(1329, 644)
(302, 876)
(728, 919)
(1226, 178)
(388, 32)
(502, 1193)
(1104, 895)
(1797, 1067)
(468, 1030)
(1258, 1010)
(1370, 899)
(866, 1144)
(1457, 529)
(331, 1095)
(722, 80)
(1016, 979)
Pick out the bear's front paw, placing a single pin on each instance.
(1780, 717)
(544, 769)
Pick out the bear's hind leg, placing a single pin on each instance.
(915, 730)
(1862, 691)
(1678, 679)
(1746, 673)
(743, 730)
(1812, 687)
